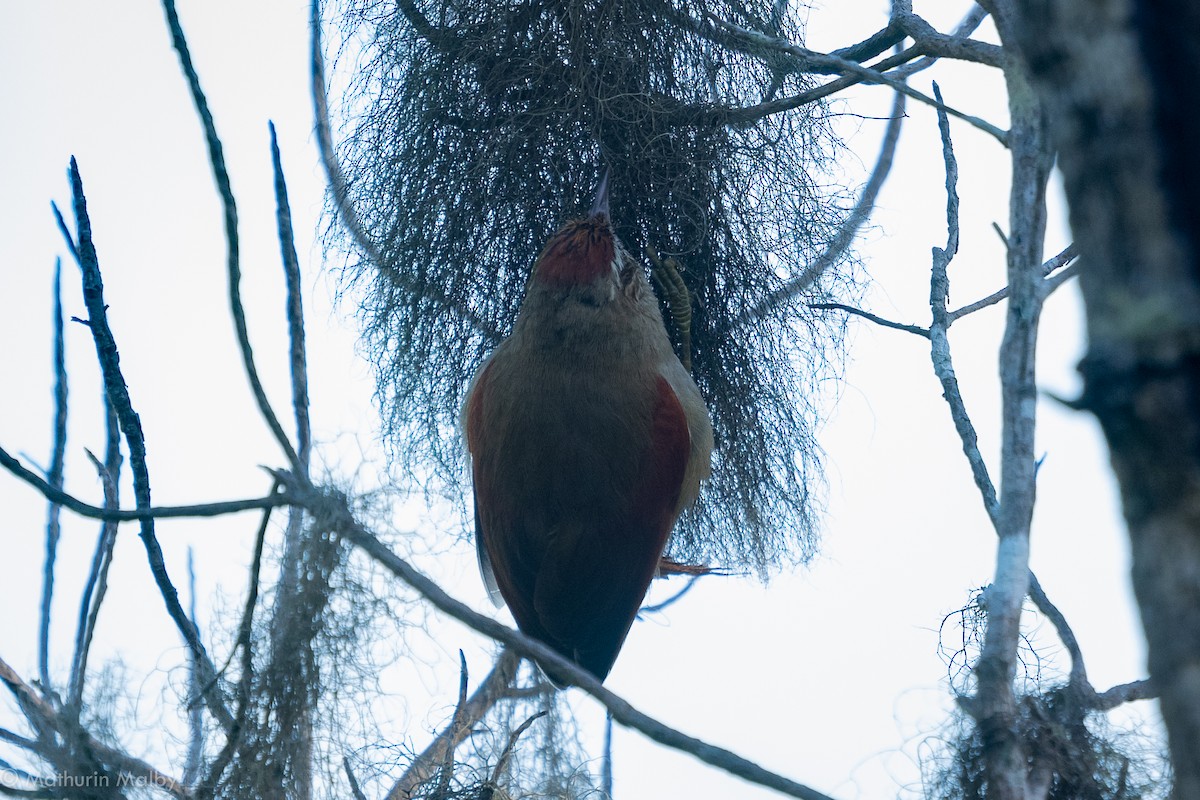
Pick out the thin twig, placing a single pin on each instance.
(867, 315)
(1052, 282)
(506, 755)
(65, 231)
(216, 159)
(13, 771)
(456, 725)
(54, 477)
(140, 514)
(246, 627)
(846, 233)
(131, 427)
(244, 646)
(1055, 281)
(31, 745)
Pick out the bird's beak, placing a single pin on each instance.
(600, 207)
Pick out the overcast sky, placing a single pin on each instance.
(829, 673)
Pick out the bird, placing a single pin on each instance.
(587, 439)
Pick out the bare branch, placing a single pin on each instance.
(848, 231)
(943, 363)
(216, 158)
(15, 772)
(963, 30)
(502, 762)
(1099, 701)
(1057, 262)
(456, 725)
(1125, 693)
(20, 741)
(875, 44)
(867, 315)
(131, 426)
(821, 61)
(956, 45)
(1055, 281)
(295, 310)
(1078, 674)
(244, 645)
(134, 515)
(65, 231)
(54, 477)
(994, 706)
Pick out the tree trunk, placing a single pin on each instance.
(1120, 80)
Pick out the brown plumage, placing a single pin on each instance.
(587, 439)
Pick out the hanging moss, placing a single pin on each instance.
(474, 130)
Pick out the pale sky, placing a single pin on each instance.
(828, 674)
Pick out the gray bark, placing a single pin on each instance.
(1119, 77)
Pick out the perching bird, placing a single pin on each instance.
(587, 440)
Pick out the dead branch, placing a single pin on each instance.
(867, 315)
(836, 64)
(136, 515)
(295, 310)
(1052, 282)
(943, 363)
(216, 157)
(131, 426)
(41, 712)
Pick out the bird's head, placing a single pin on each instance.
(584, 257)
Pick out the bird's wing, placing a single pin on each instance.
(485, 564)
(594, 577)
(656, 493)
(473, 422)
